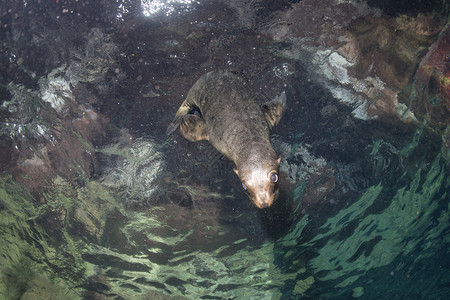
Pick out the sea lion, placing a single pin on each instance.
(220, 109)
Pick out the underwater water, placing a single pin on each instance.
(97, 202)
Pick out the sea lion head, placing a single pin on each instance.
(261, 182)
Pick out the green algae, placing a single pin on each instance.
(375, 148)
(409, 148)
(86, 144)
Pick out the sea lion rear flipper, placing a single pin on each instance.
(193, 128)
(273, 110)
(184, 109)
(171, 128)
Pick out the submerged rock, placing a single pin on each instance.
(431, 94)
(53, 129)
(363, 57)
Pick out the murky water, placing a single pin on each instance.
(96, 202)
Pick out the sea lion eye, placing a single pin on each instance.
(273, 177)
(244, 186)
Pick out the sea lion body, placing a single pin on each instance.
(238, 127)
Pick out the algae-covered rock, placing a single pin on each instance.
(16, 277)
(25, 267)
(51, 223)
(24, 279)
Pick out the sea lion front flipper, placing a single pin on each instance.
(193, 128)
(273, 110)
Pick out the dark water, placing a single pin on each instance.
(363, 210)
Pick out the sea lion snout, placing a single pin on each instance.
(265, 198)
(261, 186)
